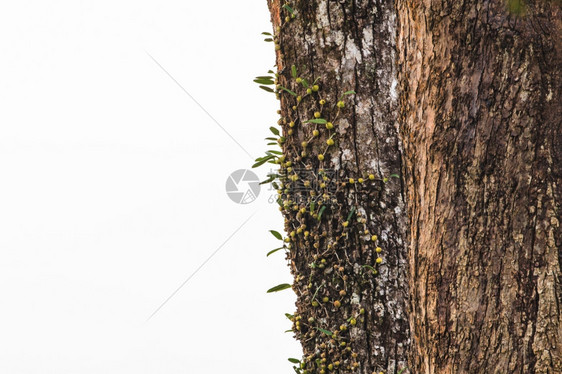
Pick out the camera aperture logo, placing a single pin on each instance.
(243, 186)
(307, 186)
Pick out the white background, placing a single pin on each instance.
(112, 190)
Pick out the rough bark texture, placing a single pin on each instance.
(346, 45)
(481, 117)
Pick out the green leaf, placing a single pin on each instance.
(289, 316)
(288, 8)
(272, 143)
(274, 152)
(270, 138)
(304, 83)
(294, 71)
(268, 89)
(266, 33)
(262, 160)
(267, 82)
(289, 91)
(316, 292)
(258, 164)
(269, 40)
(294, 361)
(291, 330)
(329, 333)
(350, 214)
(269, 180)
(312, 206)
(347, 93)
(370, 267)
(276, 234)
(274, 130)
(394, 176)
(319, 121)
(273, 251)
(401, 370)
(321, 211)
(279, 287)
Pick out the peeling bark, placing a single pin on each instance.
(347, 45)
(481, 111)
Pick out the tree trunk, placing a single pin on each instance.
(351, 310)
(480, 112)
(480, 120)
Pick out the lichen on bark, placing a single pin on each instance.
(346, 46)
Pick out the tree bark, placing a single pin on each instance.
(360, 323)
(479, 118)
(480, 113)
